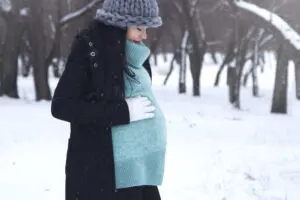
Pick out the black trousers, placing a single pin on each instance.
(139, 193)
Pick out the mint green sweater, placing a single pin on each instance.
(139, 147)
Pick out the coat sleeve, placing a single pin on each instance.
(67, 104)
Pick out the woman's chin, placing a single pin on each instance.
(136, 41)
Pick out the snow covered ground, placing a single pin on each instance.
(214, 151)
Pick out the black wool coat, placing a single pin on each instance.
(90, 95)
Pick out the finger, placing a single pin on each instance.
(149, 115)
(149, 109)
(137, 98)
(143, 98)
(146, 103)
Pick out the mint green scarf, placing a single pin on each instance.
(136, 54)
(139, 147)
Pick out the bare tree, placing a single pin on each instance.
(259, 40)
(190, 12)
(199, 47)
(38, 42)
(13, 16)
(243, 35)
(176, 59)
(289, 47)
(33, 48)
(279, 103)
(183, 64)
(229, 57)
(297, 77)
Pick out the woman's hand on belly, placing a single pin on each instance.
(140, 108)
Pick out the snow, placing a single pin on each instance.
(72, 15)
(5, 5)
(24, 11)
(214, 151)
(52, 25)
(286, 30)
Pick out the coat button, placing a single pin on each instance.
(95, 65)
(92, 53)
(90, 44)
(115, 76)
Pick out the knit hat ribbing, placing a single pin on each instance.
(126, 13)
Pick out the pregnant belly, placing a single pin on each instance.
(140, 137)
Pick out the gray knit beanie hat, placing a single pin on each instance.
(126, 13)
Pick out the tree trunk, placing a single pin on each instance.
(55, 68)
(297, 78)
(228, 58)
(55, 54)
(170, 71)
(26, 65)
(156, 40)
(25, 68)
(242, 35)
(197, 58)
(182, 71)
(1, 62)
(155, 58)
(40, 68)
(9, 71)
(231, 76)
(199, 46)
(213, 55)
(254, 82)
(246, 76)
(254, 71)
(240, 63)
(1, 72)
(279, 103)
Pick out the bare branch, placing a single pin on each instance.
(193, 7)
(177, 6)
(72, 16)
(201, 28)
(266, 39)
(219, 4)
(261, 45)
(276, 22)
(212, 43)
(65, 20)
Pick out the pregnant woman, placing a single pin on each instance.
(117, 145)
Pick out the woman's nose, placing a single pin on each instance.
(144, 35)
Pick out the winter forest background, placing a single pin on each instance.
(227, 73)
(36, 37)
